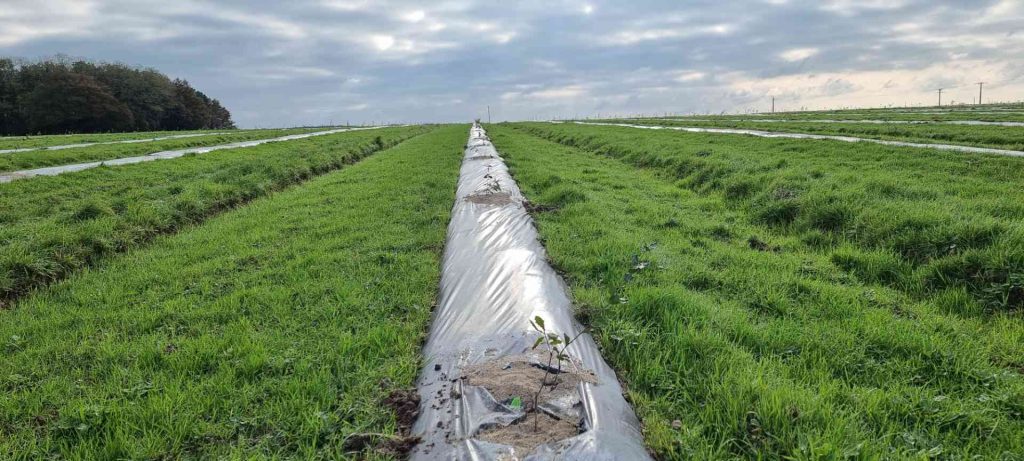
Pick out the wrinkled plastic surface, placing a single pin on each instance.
(495, 278)
(124, 141)
(775, 134)
(55, 170)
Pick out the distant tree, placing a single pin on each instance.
(221, 117)
(10, 120)
(147, 93)
(60, 94)
(191, 110)
(70, 102)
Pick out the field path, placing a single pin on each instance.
(163, 155)
(775, 134)
(495, 279)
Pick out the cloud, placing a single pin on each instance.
(311, 61)
(690, 76)
(798, 54)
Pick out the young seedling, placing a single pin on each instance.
(556, 345)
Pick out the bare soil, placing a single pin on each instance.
(497, 199)
(525, 438)
(518, 376)
(510, 377)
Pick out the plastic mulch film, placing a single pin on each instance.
(481, 373)
(124, 141)
(776, 134)
(55, 170)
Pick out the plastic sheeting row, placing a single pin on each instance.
(168, 154)
(124, 141)
(775, 134)
(495, 278)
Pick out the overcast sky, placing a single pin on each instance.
(284, 63)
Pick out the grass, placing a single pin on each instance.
(998, 137)
(742, 337)
(928, 223)
(987, 112)
(53, 226)
(39, 141)
(271, 331)
(42, 158)
(17, 142)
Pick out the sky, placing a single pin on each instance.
(313, 62)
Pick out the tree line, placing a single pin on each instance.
(59, 95)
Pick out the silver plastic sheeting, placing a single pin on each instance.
(775, 134)
(55, 170)
(495, 279)
(124, 141)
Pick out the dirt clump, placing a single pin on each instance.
(525, 438)
(497, 199)
(520, 377)
(538, 207)
(406, 405)
(516, 380)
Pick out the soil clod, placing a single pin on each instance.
(525, 439)
(406, 405)
(516, 379)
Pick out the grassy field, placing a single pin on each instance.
(759, 298)
(271, 331)
(41, 158)
(929, 223)
(52, 226)
(990, 113)
(19, 142)
(999, 137)
(770, 299)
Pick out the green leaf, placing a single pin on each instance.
(539, 321)
(537, 342)
(567, 340)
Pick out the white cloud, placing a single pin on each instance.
(690, 76)
(634, 36)
(414, 16)
(852, 7)
(798, 54)
(382, 42)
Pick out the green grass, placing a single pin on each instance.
(42, 158)
(929, 223)
(52, 226)
(18, 142)
(998, 137)
(988, 112)
(750, 332)
(265, 332)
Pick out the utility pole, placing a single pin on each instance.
(980, 84)
(488, 114)
(940, 97)
(773, 104)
